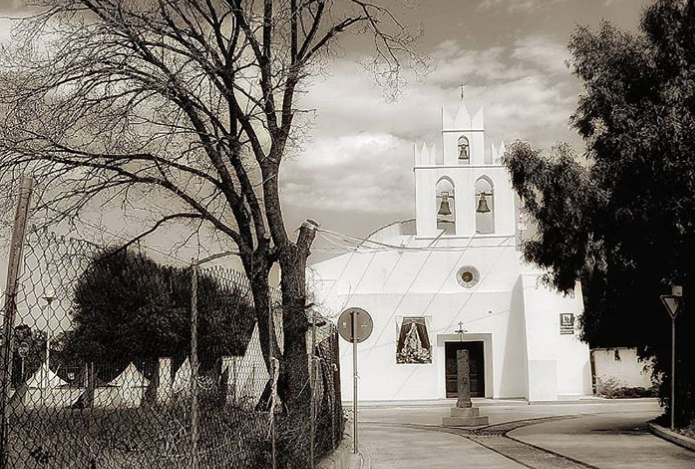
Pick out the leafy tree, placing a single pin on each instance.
(36, 341)
(624, 223)
(190, 102)
(128, 307)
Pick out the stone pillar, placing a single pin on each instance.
(463, 378)
(164, 380)
(464, 414)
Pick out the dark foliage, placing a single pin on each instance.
(625, 223)
(128, 307)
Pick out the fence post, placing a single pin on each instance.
(18, 234)
(312, 382)
(91, 385)
(194, 364)
(274, 375)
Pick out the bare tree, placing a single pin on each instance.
(191, 103)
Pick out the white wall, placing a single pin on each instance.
(621, 367)
(558, 365)
(391, 285)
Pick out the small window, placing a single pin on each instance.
(468, 276)
(464, 150)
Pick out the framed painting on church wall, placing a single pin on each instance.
(413, 345)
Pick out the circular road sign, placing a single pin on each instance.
(363, 323)
(23, 349)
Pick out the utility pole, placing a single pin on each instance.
(194, 364)
(313, 384)
(15, 261)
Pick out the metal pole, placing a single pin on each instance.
(353, 316)
(673, 373)
(18, 234)
(194, 364)
(313, 384)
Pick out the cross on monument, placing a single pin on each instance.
(460, 331)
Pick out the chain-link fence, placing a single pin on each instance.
(120, 362)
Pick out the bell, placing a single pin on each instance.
(482, 204)
(444, 209)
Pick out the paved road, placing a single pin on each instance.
(608, 441)
(575, 436)
(389, 447)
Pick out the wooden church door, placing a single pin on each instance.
(477, 366)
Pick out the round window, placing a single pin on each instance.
(468, 276)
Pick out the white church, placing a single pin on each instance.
(454, 278)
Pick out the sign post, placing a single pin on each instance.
(23, 351)
(672, 304)
(355, 325)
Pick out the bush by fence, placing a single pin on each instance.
(79, 400)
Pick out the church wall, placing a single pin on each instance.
(466, 202)
(476, 140)
(424, 284)
(558, 365)
(422, 277)
(381, 378)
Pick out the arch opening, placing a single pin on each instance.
(464, 150)
(484, 206)
(445, 206)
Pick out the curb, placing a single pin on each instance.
(342, 457)
(596, 400)
(442, 403)
(673, 437)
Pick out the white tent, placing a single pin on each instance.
(182, 379)
(44, 378)
(130, 377)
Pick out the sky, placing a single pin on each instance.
(353, 172)
(355, 175)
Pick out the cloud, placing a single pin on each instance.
(369, 172)
(519, 6)
(542, 52)
(358, 162)
(512, 6)
(455, 64)
(11, 5)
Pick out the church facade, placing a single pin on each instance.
(453, 278)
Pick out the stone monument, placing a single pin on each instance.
(464, 414)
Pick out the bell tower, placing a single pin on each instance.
(463, 191)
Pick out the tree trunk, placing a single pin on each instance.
(262, 306)
(293, 384)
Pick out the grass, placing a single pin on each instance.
(146, 437)
(159, 437)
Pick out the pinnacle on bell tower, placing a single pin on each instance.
(463, 191)
(463, 140)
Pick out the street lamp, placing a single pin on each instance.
(48, 297)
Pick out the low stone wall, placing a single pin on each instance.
(620, 367)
